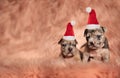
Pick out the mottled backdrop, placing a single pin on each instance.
(31, 29)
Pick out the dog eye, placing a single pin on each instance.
(74, 45)
(63, 44)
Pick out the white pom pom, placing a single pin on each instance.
(73, 23)
(88, 9)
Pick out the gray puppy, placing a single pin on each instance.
(97, 47)
(69, 50)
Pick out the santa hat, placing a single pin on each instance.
(92, 20)
(69, 34)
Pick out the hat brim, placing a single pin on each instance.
(92, 26)
(69, 37)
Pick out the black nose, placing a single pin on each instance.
(91, 43)
(70, 49)
(98, 36)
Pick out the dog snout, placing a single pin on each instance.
(70, 49)
(91, 43)
(98, 36)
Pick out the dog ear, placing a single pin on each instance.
(60, 41)
(76, 41)
(85, 32)
(104, 29)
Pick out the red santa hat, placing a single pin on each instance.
(92, 20)
(69, 34)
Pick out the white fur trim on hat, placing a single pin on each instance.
(88, 9)
(73, 22)
(69, 37)
(92, 26)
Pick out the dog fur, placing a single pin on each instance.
(97, 47)
(69, 50)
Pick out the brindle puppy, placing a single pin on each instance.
(97, 47)
(69, 50)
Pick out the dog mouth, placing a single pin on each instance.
(95, 45)
(67, 54)
(92, 46)
(70, 53)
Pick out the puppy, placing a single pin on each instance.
(97, 47)
(69, 50)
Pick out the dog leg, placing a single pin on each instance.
(85, 57)
(106, 56)
(77, 56)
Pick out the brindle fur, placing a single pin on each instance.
(69, 50)
(97, 47)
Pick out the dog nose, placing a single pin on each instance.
(91, 43)
(98, 36)
(70, 49)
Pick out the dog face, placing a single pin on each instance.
(95, 37)
(68, 47)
